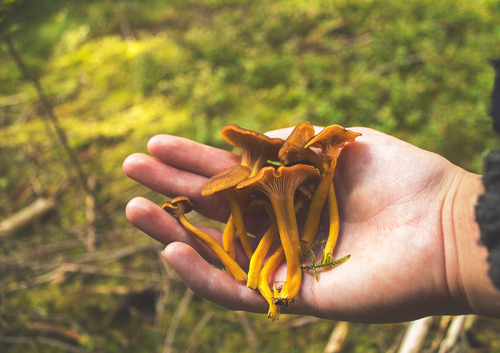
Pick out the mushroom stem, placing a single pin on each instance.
(314, 214)
(272, 263)
(237, 217)
(259, 255)
(228, 238)
(333, 232)
(262, 249)
(289, 235)
(230, 264)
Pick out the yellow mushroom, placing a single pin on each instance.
(279, 186)
(330, 139)
(178, 207)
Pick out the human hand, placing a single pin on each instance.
(393, 202)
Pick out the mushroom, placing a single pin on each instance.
(178, 207)
(330, 139)
(226, 181)
(279, 186)
(293, 147)
(256, 148)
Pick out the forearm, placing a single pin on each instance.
(473, 283)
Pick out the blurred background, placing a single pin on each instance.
(85, 83)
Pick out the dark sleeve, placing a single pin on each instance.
(488, 206)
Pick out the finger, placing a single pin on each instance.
(191, 156)
(211, 283)
(173, 182)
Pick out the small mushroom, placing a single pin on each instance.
(178, 207)
(226, 181)
(330, 139)
(293, 148)
(256, 148)
(279, 186)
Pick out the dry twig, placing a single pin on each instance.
(338, 337)
(174, 324)
(415, 335)
(26, 216)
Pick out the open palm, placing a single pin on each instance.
(390, 195)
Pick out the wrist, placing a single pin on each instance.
(467, 272)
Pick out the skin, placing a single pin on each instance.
(407, 220)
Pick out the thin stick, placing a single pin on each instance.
(26, 216)
(338, 337)
(415, 335)
(28, 76)
(249, 332)
(174, 324)
(453, 334)
(194, 338)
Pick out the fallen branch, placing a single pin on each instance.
(194, 338)
(60, 331)
(172, 330)
(90, 204)
(454, 332)
(338, 337)
(39, 341)
(249, 332)
(26, 216)
(441, 331)
(415, 335)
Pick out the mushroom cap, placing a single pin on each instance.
(295, 143)
(226, 179)
(254, 146)
(333, 135)
(177, 205)
(280, 182)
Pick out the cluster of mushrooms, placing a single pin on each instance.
(298, 177)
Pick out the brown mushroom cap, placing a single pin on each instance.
(293, 147)
(226, 179)
(333, 136)
(178, 204)
(280, 182)
(256, 148)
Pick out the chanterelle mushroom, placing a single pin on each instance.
(279, 186)
(256, 150)
(293, 147)
(330, 139)
(178, 207)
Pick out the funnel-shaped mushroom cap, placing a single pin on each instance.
(331, 138)
(334, 135)
(281, 182)
(256, 148)
(226, 179)
(294, 144)
(177, 205)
